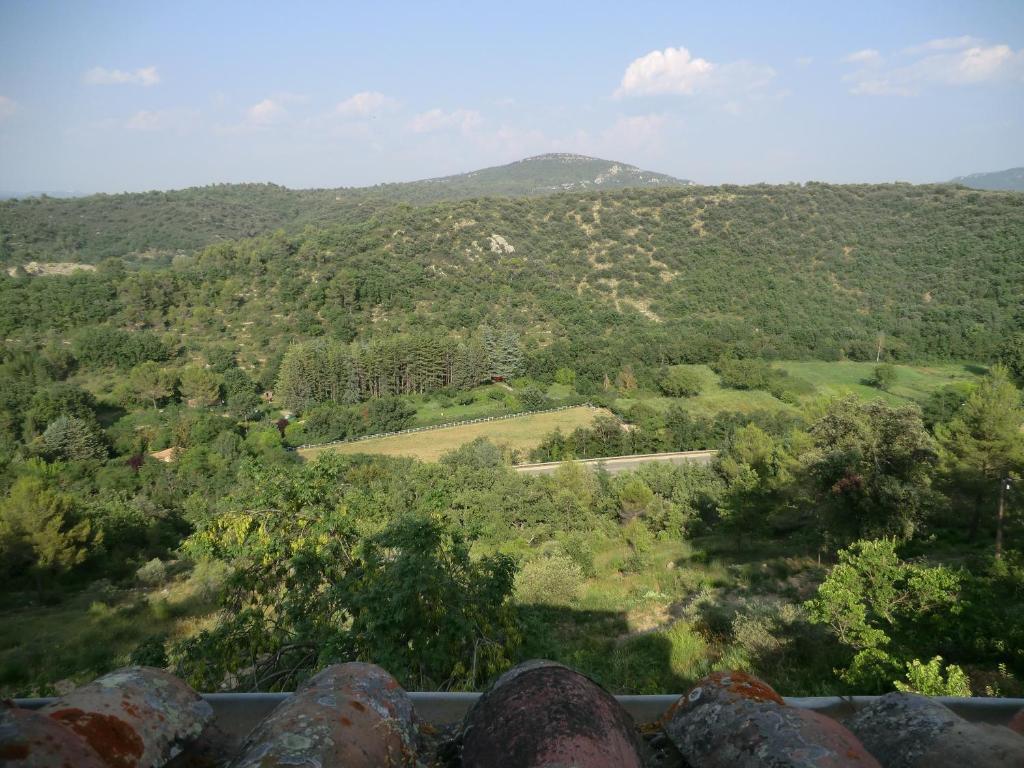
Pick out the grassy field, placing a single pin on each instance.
(913, 384)
(520, 433)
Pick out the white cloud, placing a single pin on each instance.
(866, 56)
(946, 61)
(265, 112)
(148, 121)
(365, 103)
(7, 107)
(676, 71)
(944, 44)
(464, 120)
(973, 65)
(673, 70)
(145, 76)
(804, 61)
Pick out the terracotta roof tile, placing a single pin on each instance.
(909, 731)
(537, 714)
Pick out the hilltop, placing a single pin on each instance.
(1010, 180)
(160, 224)
(539, 175)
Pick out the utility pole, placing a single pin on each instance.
(1004, 486)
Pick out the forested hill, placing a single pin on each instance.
(1012, 179)
(604, 280)
(543, 174)
(159, 224)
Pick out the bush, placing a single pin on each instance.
(883, 377)
(153, 573)
(76, 439)
(680, 382)
(929, 680)
(465, 398)
(390, 414)
(553, 580)
(533, 398)
(579, 551)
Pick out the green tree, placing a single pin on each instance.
(883, 609)
(1011, 355)
(60, 399)
(883, 376)
(199, 386)
(150, 382)
(390, 414)
(678, 381)
(74, 439)
(38, 532)
(983, 444)
(757, 473)
(870, 469)
(426, 611)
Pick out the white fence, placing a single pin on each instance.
(446, 426)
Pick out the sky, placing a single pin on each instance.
(111, 96)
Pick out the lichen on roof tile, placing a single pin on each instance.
(354, 715)
(910, 731)
(733, 720)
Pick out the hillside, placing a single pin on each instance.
(1010, 180)
(160, 224)
(681, 274)
(543, 174)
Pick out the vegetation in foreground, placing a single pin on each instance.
(850, 551)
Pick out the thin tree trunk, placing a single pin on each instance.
(999, 519)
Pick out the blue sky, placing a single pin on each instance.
(98, 96)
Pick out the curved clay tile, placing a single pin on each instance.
(733, 720)
(30, 739)
(544, 714)
(136, 717)
(908, 731)
(353, 715)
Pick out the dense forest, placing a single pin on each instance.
(151, 504)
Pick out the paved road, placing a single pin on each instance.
(616, 464)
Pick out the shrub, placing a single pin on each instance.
(153, 573)
(565, 376)
(579, 551)
(533, 397)
(929, 679)
(465, 398)
(680, 382)
(390, 414)
(553, 580)
(883, 377)
(68, 437)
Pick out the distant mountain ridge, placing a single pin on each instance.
(1011, 180)
(544, 174)
(157, 223)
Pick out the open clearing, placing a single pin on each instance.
(520, 433)
(913, 384)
